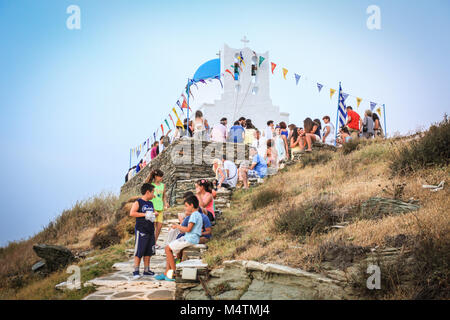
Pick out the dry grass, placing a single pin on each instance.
(348, 180)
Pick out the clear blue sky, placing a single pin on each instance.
(73, 102)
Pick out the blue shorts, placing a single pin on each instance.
(144, 244)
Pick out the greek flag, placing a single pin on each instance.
(342, 108)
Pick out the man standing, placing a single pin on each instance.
(260, 144)
(354, 123)
(236, 133)
(219, 131)
(268, 132)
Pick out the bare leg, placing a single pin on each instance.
(147, 261)
(245, 178)
(309, 142)
(158, 229)
(302, 143)
(170, 261)
(137, 262)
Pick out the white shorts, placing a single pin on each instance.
(179, 244)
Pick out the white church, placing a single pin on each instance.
(246, 88)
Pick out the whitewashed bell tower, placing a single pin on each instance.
(246, 89)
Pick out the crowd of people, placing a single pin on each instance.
(194, 223)
(275, 144)
(269, 149)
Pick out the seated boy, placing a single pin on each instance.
(143, 211)
(192, 236)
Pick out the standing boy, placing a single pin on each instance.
(143, 211)
(192, 236)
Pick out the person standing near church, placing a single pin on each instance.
(159, 201)
(236, 134)
(199, 126)
(219, 131)
(268, 132)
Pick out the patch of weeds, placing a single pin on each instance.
(339, 254)
(106, 236)
(264, 197)
(351, 146)
(316, 158)
(377, 208)
(313, 216)
(433, 149)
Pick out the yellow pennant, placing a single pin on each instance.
(179, 123)
(358, 100)
(285, 71)
(332, 91)
(379, 111)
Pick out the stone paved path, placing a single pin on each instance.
(121, 286)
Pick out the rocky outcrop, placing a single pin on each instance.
(55, 257)
(185, 159)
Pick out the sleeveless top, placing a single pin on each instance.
(157, 201)
(210, 206)
(279, 144)
(143, 225)
(249, 136)
(198, 125)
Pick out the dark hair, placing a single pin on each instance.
(319, 124)
(327, 118)
(205, 184)
(249, 124)
(162, 137)
(223, 119)
(224, 157)
(375, 116)
(236, 123)
(192, 200)
(198, 114)
(308, 124)
(269, 122)
(241, 118)
(153, 174)
(345, 129)
(282, 125)
(146, 187)
(188, 194)
(349, 107)
(295, 134)
(269, 143)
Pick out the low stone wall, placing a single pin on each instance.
(185, 159)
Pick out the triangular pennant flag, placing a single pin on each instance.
(297, 78)
(241, 58)
(218, 78)
(148, 143)
(162, 129)
(179, 123)
(261, 59)
(167, 124)
(173, 122)
(372, 106)
(228, 70)
(319, 86)
(273, 66)
(154, 136)
(358, 102)
(285, 71)
(332, 91)
(345, 95)
(379, 111)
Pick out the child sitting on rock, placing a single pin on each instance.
(192, 236)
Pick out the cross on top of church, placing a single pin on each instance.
(245, 41)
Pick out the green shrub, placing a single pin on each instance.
(433, 149)
(351, 146)
(264, 197)
(302, 220)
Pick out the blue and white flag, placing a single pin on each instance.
(372, 106)
(345, 95)
(342, 108)
(297, 78)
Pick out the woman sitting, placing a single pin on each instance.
(296, 142)
(206, 201)
(308, 137)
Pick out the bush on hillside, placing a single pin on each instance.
(264, 197)
(313, 216)
(105, 236)
(433, 149)
(351, 146)
(315, 158)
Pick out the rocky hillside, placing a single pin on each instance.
(318, 224)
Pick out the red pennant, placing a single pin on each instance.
(273, 66)
(230, 73)
(162, 129)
